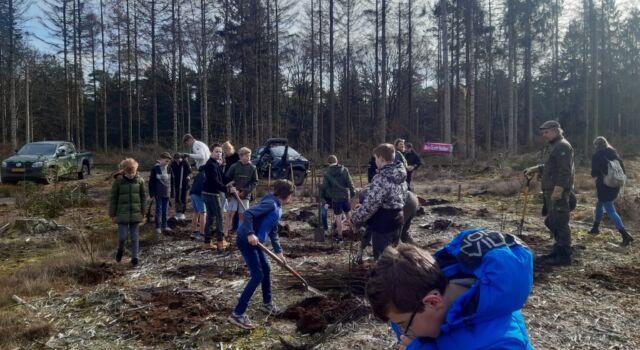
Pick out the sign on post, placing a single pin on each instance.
(437, 148)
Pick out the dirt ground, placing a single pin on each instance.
(181, 294)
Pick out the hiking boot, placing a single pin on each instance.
(242, 321)
(209, 245)
(561, 258)
(119, 255)
(134, 262)
(626, 238)
(595, 229)
(195, 235)
(270, 308)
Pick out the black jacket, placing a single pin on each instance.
(214, 180)
(413, 159)
(372, 169)
(599, 168)
(180, 172)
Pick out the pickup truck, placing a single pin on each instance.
(46, 160)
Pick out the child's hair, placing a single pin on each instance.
(187, 137)
(227, 147)
(283, 188)
(214, 146)
(244, 150)
(129, 166)
(177, 156)
(401, 278)
(397, 141)
(386, 151)
(165, 155)
(408, 145)
(332, 159)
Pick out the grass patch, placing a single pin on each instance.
(53, 204)
(18, 327)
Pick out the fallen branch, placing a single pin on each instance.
(23, 302)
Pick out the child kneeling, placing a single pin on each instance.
(259, 221)
(469, 297)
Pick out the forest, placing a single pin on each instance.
(112, 75)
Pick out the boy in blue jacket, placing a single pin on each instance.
(259, 221)
(469, 295)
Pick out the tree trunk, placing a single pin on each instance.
(27, 104)
(174, 79)
(105, 77)
(511, 32)
(445, 74)
(528, 42)
(595, 93)
(416, 125)
(314, 135)
(13, 110)
(382, 126)
(471, 80)
(129, 81)
(119, 59)
(154, 78)
(204, 120)
(332, 102)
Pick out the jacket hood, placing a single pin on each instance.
(395, 172)
(272, 197)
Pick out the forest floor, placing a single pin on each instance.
(73, 295)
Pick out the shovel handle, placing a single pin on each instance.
(240, 201)
(281, 263)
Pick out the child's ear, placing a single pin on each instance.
(433, 299)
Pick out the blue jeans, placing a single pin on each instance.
(162, 208)
(611, 211)
(214, 211)
(132, 230)
(260, 272)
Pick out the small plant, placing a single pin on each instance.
(52, 204)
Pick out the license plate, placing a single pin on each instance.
(18, 170)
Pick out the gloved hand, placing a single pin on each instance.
(557, 193)
(531, 170)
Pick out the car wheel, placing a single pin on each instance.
(298, 177)
(51, 176)
(84, 173)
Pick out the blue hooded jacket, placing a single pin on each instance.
(262, 220)
(487, 315)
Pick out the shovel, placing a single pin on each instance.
(290, 269)
(524, 205)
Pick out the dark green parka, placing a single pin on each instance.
(128, 199)
(338, 185)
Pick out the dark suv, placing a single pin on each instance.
(283, 159)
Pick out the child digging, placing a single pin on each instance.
(338, 187)
(243, 180)
(259, 221)
(469, 295)
(127, 206)
(161, 189)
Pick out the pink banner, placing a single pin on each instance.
(437, 148)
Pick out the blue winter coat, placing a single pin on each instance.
(198, 182)
(262, 220)
(487, 315)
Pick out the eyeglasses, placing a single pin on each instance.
(413, 315)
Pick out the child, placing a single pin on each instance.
(382, 207)
(199, 210)
(243, 180)
(161, 189)
(182, 172)
(259, 221)
(212, 192)
(469, 297)
(127, 206)
(339, 188)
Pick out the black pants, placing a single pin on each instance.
(557, 220)
(180, 200)
(379, 240)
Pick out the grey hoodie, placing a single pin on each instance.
(386, 192)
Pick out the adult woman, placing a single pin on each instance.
(606, 195)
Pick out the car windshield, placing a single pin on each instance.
(37, 148)
(278, 151)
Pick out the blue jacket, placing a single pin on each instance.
(198, 182)
(487, 315)
(262, 220)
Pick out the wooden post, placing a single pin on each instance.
(459, 192)
(292, 180)
(269, 180)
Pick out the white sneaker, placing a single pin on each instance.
(158, 231)
(168, 229)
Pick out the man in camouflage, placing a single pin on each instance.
(556, 173)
